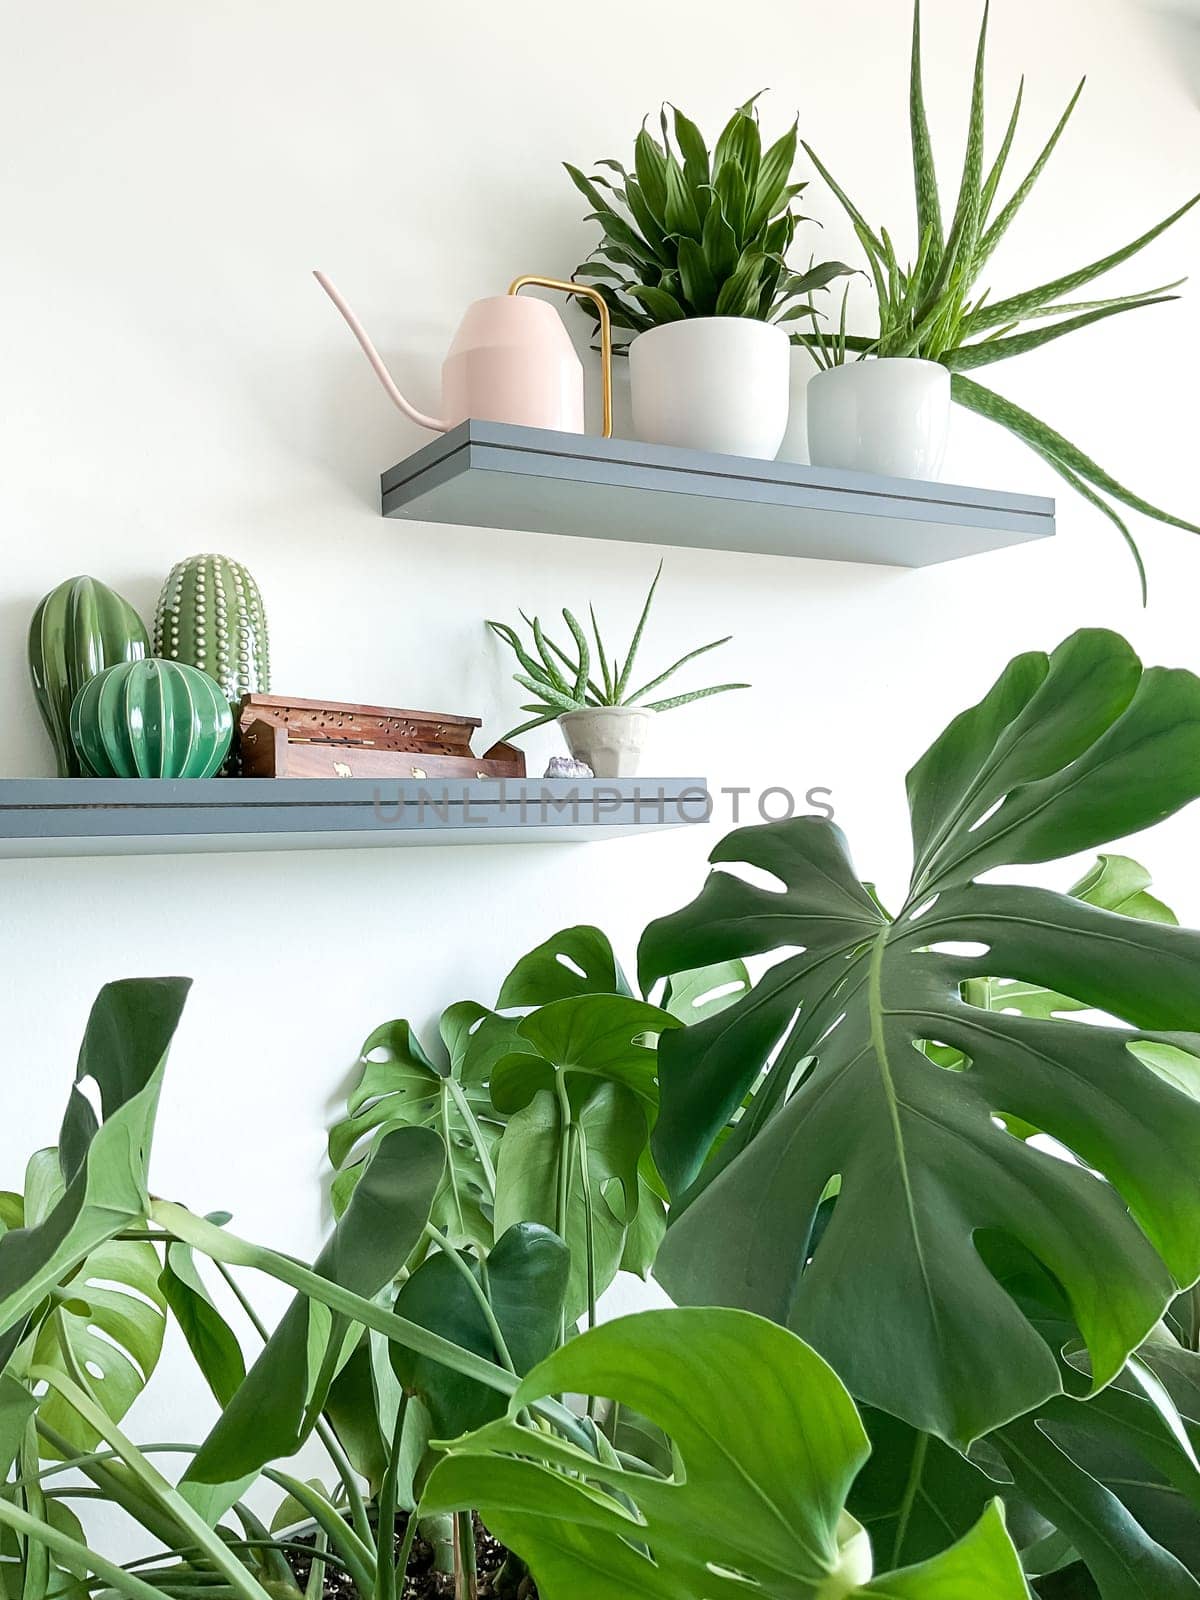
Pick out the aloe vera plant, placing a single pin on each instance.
(933, 308)
(694, 234)
(564, 682)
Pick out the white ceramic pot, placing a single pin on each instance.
(889, 416)
(795, 440)
(712, 383)
(609, 738)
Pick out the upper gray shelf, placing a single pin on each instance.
(496, 475)
(150, 816)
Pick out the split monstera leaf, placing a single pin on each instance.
(872, 1199)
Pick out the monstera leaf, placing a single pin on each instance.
(400, 1083)
(524, 1284)
(580, 1098)
(103, 1150)
(574, 962)
(767, 1444)
(277, 1405)
(107, 1319)
(918, 1172)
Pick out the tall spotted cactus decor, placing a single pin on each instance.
(210, 615)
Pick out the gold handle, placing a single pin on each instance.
(597, 299)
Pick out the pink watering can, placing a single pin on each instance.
(511, 361)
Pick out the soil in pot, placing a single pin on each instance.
(422, 1582)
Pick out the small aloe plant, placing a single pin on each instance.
(934, 308)
(564, 682)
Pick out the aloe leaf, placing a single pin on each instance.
(527, 727)
(605, 671)
(844, 199)
(1086, 491)
(992, 182)
(1028, 427)
(572, 666)
(929, 206)
(512, 640)
(650, 164)
(696, 694)
(1064, 308)
(969, 356)
(1022, 305)
(774, 171)
(623, 678)
(998, 228)
(555, 676)
(964, 229)
(671, 671)
(553, 697)
(585, 655)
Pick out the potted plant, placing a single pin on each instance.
(605, 723)
(693, 261)
(922, 1306)
(881, 403)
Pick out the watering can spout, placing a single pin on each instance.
(376, 360)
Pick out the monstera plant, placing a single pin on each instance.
(977, 1212)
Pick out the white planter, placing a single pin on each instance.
(795, 440)
(889, 416)
(712, 383)
(609, 738)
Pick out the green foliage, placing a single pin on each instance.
(1063, 753)
(689, 233)
(102, 1153)
(934, 309)
(757, 1497)
(542, 670)
(276, 1407)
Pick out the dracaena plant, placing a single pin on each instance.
(908, 1145)
(566, 681)
(937, 308)
(687, 233)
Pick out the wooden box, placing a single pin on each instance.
(282, 738)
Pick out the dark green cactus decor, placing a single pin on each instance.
(78, 630)
(210, 615)
(151, 719)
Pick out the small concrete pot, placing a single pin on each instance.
(609, 738)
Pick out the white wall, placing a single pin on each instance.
(171, 380)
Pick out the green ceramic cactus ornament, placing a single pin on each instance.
(78, 630)
(151, 719)
(210, 615)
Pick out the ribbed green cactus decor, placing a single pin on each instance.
(151, 719)
(79, 629)
(210, 615)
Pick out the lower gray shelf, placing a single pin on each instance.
(104, 816)
(497, 475)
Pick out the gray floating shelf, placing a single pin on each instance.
(105, 816)
(496, 475)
